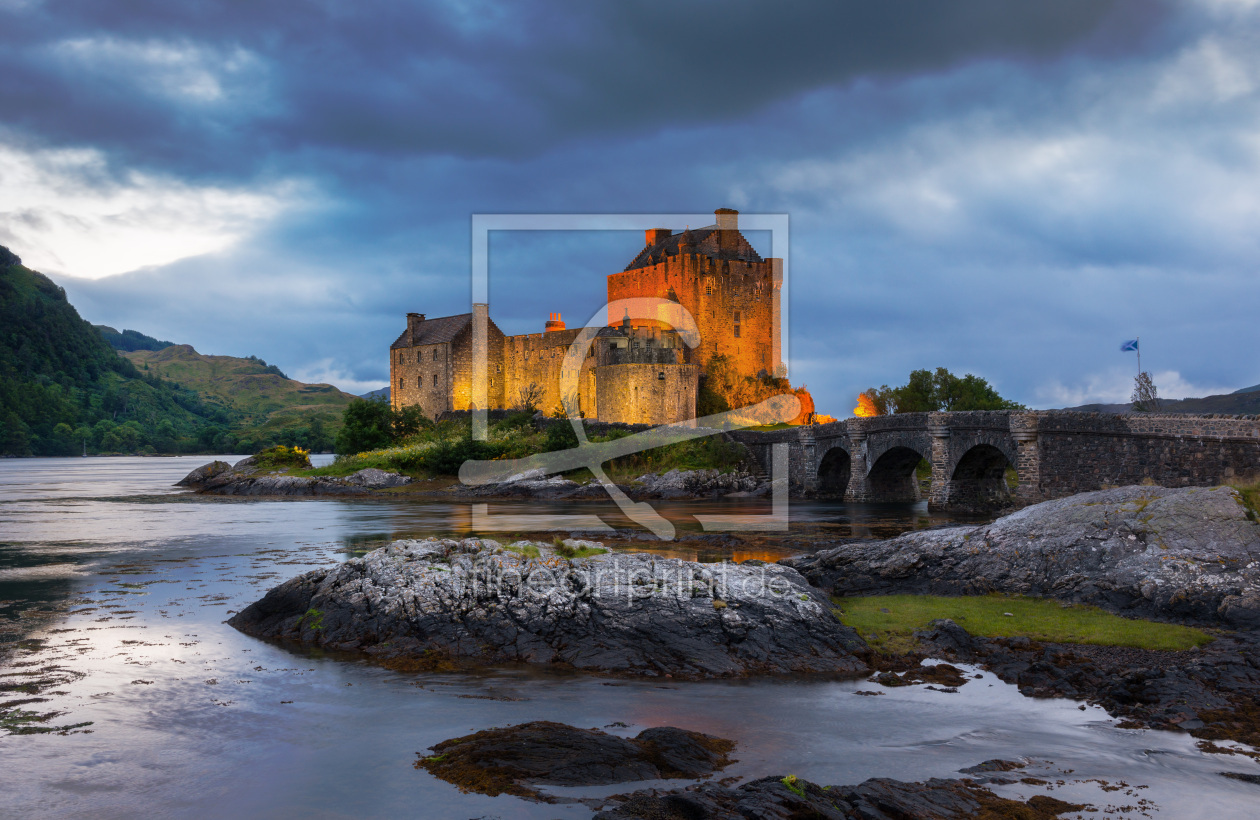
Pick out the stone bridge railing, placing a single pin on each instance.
(1052, 454)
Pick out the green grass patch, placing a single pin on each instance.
(1040, 619)
(439, 450)
(524, 548)
(314, 618)
(567, 551)
(1250, 493)
(791, 784)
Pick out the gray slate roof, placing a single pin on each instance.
(704, 240)
(434, 331)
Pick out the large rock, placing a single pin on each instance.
(1192, 553)
(790, 798)
(515, 759)
(696, 484)
(245, 478)
(638, 614)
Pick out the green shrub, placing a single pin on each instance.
(281, 457)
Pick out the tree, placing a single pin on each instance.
(1145, 398)
(368, 426)
(409, 421)
(926, 391)
(528, 397)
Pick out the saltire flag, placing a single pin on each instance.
(1132, 344)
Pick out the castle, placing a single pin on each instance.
(637, 370)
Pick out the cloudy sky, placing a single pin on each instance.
(1008, 189)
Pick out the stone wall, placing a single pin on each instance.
(1086, 451)
(646, 393)
(421, 375)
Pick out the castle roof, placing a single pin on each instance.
(433, 331)
(703, 240)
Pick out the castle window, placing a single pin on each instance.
(435, 354)
(400, 383)
(737, 317)
(661, 376)
(736, 331)
(418, 355)
(435, 380)
(708, 290)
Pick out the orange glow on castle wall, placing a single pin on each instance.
(865, 407)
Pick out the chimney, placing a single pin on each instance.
(727, 219)
(413, 325)
(655, 235)
(554, 322)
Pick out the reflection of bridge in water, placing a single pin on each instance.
(1054, 453)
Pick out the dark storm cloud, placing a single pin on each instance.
(1006, 188)
(479, 79)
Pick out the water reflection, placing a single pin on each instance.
(118, 586)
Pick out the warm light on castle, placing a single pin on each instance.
(637, 370)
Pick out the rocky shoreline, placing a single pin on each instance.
(247, 478)
(1192, 555)
(518, 759)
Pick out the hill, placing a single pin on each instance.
(62, 386)
(1255, 388)
(261, 400)
(130, 339)
(1242, 403)
(382, 393)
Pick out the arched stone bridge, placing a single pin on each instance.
(1053, 453)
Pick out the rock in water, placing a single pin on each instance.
(203, 474)
(783, 798)
(640, 614)
(1145, 550)
(514, 759)
(245, 478)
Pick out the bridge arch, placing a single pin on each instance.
(892, 475)
(834, 470)
(978, 478)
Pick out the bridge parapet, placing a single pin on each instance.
(1054, 453)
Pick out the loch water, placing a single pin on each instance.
(114, 589)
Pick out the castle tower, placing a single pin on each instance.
(713, 272)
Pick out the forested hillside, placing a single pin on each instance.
(64, 388)
(62, 385)
(130, 340)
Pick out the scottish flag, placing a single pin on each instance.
(1132, 344)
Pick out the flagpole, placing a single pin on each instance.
(1138, 347)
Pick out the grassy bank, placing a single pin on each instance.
(1250, 493)
(892, 620)
(440, 449)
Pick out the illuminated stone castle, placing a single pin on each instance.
(637, 370)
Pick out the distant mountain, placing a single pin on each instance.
(1241, 403)
(256, 393)
(1255, 388)
(383, 393)
(130, 340)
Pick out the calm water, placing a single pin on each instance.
(114, 586)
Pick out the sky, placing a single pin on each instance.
(1004, 189)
